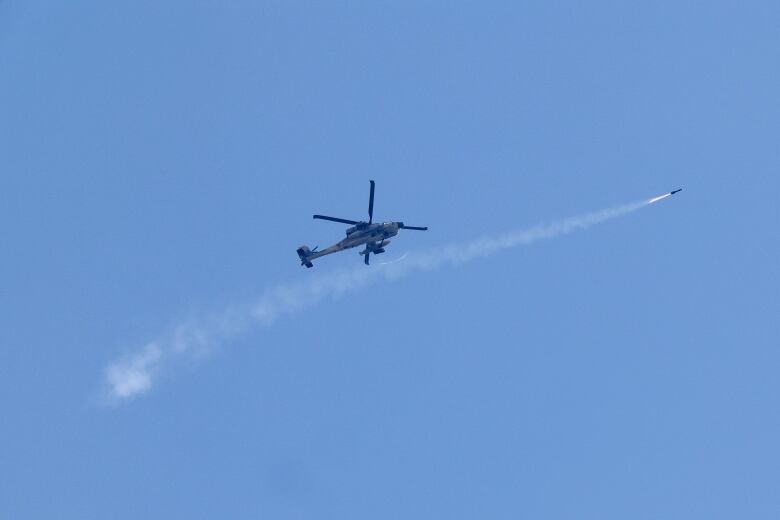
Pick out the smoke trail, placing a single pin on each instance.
(403, 257)
(136, 373)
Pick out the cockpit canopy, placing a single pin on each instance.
(356, 227)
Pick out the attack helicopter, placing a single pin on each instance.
(373, 236)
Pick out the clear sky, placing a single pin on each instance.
(160, 163)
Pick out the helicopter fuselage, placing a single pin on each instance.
(360, 234)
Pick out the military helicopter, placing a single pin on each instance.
(374, 236)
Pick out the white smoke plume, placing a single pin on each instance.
(136, 373)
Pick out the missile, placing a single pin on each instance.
(662, 197)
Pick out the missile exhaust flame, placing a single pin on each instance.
(656, 199)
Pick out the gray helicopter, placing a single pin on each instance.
(374, 236)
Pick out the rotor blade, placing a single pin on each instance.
(371, 204)
(413, 227)
(334, 219)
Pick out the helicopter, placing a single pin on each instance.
(373, 235)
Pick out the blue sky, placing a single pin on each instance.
(160, 162)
